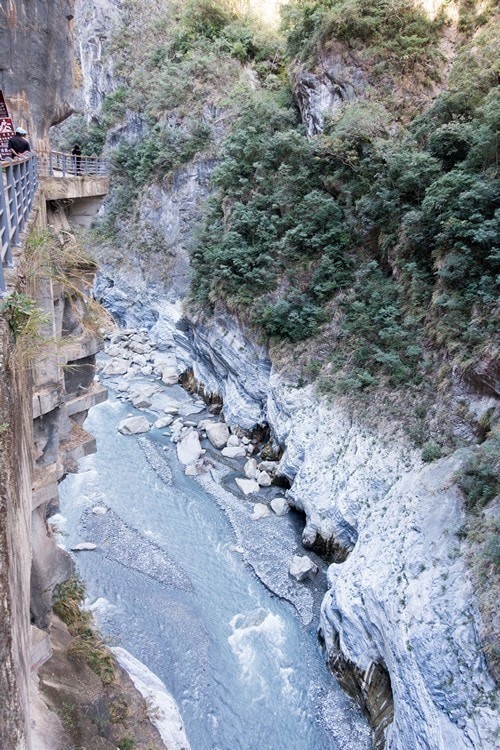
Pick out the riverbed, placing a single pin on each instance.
(173, 581)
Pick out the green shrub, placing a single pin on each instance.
(431, 451)
(479, 479)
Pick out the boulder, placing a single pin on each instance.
(141, 402)
(147, 370)
(195, 469)
(134, 425)
(247, 486)
(123, 387)
(233, 441)
(263, 479)
(234, 452)
(269, 466)
(217, 433)
(302, 568)
(115, 367)
(280, 506)
(84, 547)
(189, 448)
(250, 468)
(163, 422)
(137, 347)
(114, 350)
(260, 511)
(169, 375)
(99, 510)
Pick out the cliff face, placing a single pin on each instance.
(36, 63)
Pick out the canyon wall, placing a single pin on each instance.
(400, 622)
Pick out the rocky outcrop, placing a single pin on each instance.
(399, 622)
(337, 80)
(37, 78)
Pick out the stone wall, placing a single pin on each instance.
(46, 388)
(36, 63)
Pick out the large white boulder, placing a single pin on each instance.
(263, 479)
(134, 425)
(170, 375)
(280, 506)
(236, 451)
(217, 433)
(189, 448)
(302, 567)
(115, 367)
(250, 468)
(247, 486)
(163, 422)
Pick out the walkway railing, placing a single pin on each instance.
(59, 164)
(17, 192)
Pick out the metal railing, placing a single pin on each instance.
(17, 192)
(59, 164)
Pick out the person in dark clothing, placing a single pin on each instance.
(77, 154)
(18, 144)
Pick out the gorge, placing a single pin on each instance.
(291, 218)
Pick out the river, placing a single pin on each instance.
(170, 582)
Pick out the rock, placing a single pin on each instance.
(280, 506)
(247, 486)
(123, 387)
(114, 351)
(147, 370)
(134, 425)
(163, 422)
(233, 441)
(217, 433)
(234, 452)
(189, 448)
(100, 510)
(141, 402)
(263, 479)
(177, 428)
(302, 568)
(171, 409)
(260, 511)
(269, 466)
(137, 347)
(169, 375)
(116, 367)
(195, 469)
(309, 535)
(250, 468)
(245, 440)
(139, 360)
(84, 547)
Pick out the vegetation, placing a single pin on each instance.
(86, 645)
(395, 34)
(384, 240)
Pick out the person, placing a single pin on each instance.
(18, 144)
(77, 154)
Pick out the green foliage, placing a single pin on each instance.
(431, 451)
(20, 311)
(479, 479)
(126, 743)
(272, 217)
(395, 32)
(86, 645)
